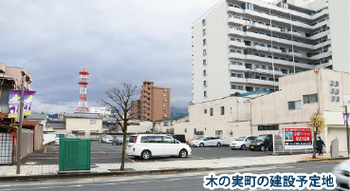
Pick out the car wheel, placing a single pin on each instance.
(183, 153)
(219, 144)
(146, 155)
(243, 147)
(201, 145)
(232, 148)
(262, 148)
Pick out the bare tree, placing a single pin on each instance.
(317, 123)
(120, 99)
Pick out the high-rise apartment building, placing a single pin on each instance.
(246, 45)
(154, 103)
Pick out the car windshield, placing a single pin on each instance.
(201, 138)
(70, 136)
(108, 137)
(260, 138)
(240, 139)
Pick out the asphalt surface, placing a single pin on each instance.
(158, 182)
(107, 153)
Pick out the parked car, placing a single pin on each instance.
(242, 142)
(117, 140)
(207, 141)
(100, 138)
(179, 137)
(342, 172)
(189, 142)
(107, 139)
(149, 145)
(63, 135)
(262, 142)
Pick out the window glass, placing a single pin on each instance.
(168, 140)
(155, 139)
(144, 139)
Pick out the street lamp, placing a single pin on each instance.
(346, 121)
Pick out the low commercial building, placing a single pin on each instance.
(299, 96)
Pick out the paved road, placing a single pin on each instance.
(107, 153)
(178, 182)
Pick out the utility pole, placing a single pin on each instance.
(19, 133)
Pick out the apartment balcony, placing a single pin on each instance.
(236, 44)
(261, 48)
(261, 26)
(298, 54)
(321, 13)
(236, 32)
(236, 55)
(270, 72)
(261, 82)
(321, 55)
(320, 24)
(320, 35)
(319, 45)
(234, 10)
(258, 58)
(292, 64)
(237, 68)
(238, 80)
(236, 21)
(275, 50)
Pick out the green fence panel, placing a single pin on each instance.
(74, 154)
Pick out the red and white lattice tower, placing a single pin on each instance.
(82, 107)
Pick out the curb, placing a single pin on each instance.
(134, 173)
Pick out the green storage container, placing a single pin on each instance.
(74, 154)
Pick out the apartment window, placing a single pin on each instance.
(336, 91)
(164, 95)
(204, 32)
(337, 98)
(294, 105)
(336, 83)
(164, 110)
(240, 87)
(249, 89)
(204, 72)
(165, 100)
(164, 115)
(204, 52)
(233, 63)
(231, 134)
(204, 42)
(203, 22)
(205, 83)
(211, 112)
(185, 130)
(205, 93)
(205, 111)
(205, 62)
(331, 82)
(222, 110)
(233, 75)
(332, 98)
(331, 90)
(233, 87)
(239, 75)
(311, 98)
(164, 105)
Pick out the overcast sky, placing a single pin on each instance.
(115, 40)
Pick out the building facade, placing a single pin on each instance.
(154, 103)
(299, 96)
(247, 45)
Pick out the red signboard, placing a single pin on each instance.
(298, 134)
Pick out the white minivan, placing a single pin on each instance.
(149, 145)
